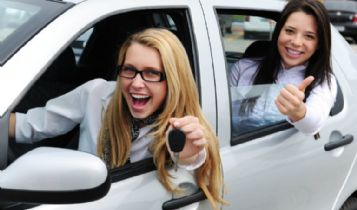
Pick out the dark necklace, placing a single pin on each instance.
(139, 123)
(135, 131)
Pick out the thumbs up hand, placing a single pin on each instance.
(306, 82)
(290, 100)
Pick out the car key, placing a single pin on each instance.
(177, 140)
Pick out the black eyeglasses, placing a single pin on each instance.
(149, 75)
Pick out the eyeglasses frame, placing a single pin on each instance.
(138, 71)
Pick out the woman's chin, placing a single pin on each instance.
(139, 115)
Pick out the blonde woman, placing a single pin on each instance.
(128, 120)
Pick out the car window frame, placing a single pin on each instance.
(186, 36)
(270, 129)
(265, 130)
(147, 165)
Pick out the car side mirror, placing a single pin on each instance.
(54, 176)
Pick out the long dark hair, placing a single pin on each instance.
(319, 64)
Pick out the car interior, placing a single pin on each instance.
(98, 59)
(258, 47)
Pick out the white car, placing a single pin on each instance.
(271, 167)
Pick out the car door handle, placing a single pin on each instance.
(344, 140)
(184, 201)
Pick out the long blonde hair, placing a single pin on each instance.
(182, 99)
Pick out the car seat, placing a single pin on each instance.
(60, 77)
(257, 49)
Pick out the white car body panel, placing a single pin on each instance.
(280, 171)
(34, 161)
(264, 171)
(120, 195)
(124, 195)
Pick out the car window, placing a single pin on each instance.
(240, 31)
(88, 58)
(253, 110)
(13, 16)
(79, 44)
(20, 20)
(93, 54)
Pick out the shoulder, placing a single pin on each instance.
(97, 88)
(246, 67)
(327, 88)
(99, 85)
(245, 63)
(251, 60)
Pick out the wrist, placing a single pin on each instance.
(188, 160)
(300, 114)
(194, 161)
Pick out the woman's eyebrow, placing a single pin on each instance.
(144, 68)
(311, 33)
(289, 27)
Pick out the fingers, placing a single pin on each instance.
(290, 100)
(291, 97)
(306, 82)
(200, 143)
(281, 107)
(189, 125)
(179, 122)
(12, 125)
(195, 135)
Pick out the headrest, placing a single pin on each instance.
(257, 48)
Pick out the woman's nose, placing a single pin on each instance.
(138, 81)
(297, 40)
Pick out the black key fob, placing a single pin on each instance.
(177, 140)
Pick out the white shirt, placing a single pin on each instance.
(86, 106)
(318, 104)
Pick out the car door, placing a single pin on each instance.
(273, 166)
(133, 185)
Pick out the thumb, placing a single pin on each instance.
(306, 82)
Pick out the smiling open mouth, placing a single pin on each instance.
(140, 99)
(293, 53)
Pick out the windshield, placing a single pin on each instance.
(21, 19)
(13, 15)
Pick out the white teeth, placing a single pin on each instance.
(294, 52)
(139, 96)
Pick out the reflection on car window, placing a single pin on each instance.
(21, 20)
(239, 31)
(253, 107)
(79, 44)
(13, 15)
(253, 110)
